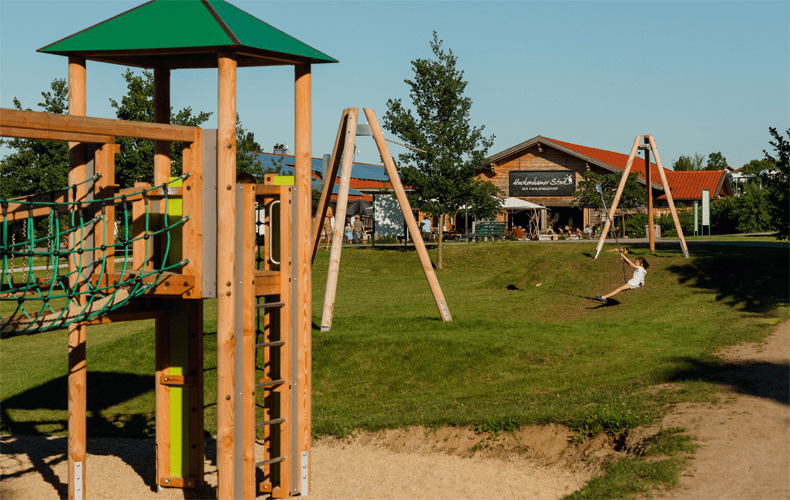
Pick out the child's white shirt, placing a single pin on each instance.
(639, 278)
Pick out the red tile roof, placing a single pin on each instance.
(617, 160)
(689, 185)
(684, 185)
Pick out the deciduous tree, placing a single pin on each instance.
(716, 161)
(37, 166)
(688, 163)
(777, 183)
(440, 170)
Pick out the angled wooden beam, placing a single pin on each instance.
(408, 216)
(617, 195)
(329, 184)
(669, 196)
(350, 130)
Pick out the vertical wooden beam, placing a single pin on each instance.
(329, 184)
(77, 419)
(193, 202)
(226, 273)
(648, 180)
(161, 115)
(669, 197)
(340, 219)
(303, 298)
(105, 232)
(195, 364)
(408, 216)
(162, 325)
(284, 326)
(613, 208)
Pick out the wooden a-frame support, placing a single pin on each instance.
(649, 140)
(345, 141)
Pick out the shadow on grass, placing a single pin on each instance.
(755, 280)
(755, 378)
(42, 411)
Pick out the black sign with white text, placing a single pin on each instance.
(551, 183)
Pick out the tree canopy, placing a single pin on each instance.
(716, 161)
(755, 166)
(37, 166)
(135, 163)
(777, 183)
(634, 194)
(688, 163)
(440, 170)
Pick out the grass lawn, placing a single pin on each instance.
(515, 354)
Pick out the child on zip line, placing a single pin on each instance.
(635, 282)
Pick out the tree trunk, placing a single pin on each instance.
(441, 235)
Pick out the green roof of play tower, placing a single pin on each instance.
(186, 34)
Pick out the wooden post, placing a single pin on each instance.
(77, 419)
(340, 218)
(302, 299)
(669, 197)
(648, 179)
(161, 325)
(329, 184)
(408, 216)
(613, 208)
(226, 273)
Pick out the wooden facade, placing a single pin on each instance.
(541, 154)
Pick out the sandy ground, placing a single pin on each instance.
(744, 453)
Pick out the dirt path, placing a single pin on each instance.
(744, 453)
(744, 439)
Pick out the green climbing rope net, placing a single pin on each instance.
(77, 290)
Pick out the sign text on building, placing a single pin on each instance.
(549, 183)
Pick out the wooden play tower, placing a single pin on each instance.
(191, 237)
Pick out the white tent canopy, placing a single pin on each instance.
(519, 204)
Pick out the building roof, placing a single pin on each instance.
(689, 185)
(186, 34)
(365, 177)
(684, 185)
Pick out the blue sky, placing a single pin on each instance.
(698, 76)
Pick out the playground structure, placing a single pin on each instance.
(181, 240)
(648, 145)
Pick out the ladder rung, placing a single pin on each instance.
(276, 343)
(270, 382)
(270, 422)
(267, 462)
(269, 304)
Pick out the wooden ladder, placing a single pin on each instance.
(267, 358)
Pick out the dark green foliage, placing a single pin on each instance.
(687, 163)
(442, 175)
(777, 184)
(135, 163)
(686, 218)
(37, 166)
(716, 161)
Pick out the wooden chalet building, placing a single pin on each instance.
(548, 171)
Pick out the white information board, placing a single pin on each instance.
(388, 216)
(706, 207)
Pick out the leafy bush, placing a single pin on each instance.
(635, 225)
(686, 218)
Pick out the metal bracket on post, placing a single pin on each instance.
(77, 480)
(305, 475)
